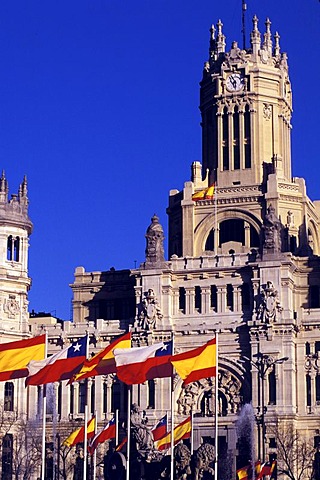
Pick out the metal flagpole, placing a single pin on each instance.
(191, 446)
(129, 433)
(216, 434)
(172, 420)
(94, 457)
(44, 414)
(117, 426)
(216, 239)
(85, 444)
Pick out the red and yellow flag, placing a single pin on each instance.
(15, 356)
(78, 435)
(182, 431)
(206, 194)
(197, 363)
(103, 362)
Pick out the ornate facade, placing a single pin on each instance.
(244, 263)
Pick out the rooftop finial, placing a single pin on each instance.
(212, 47)
(221, 39)
(276, 44)
(267, 42)
(255, 37)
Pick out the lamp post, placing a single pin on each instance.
(263, 363)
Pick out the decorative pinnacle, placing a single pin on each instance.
(277, 44)
(3, 183)
(268, 25)
(255, 23)
(213, 32)
(219, 25)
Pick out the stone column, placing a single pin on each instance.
(205, 299)
(189, 300)
(222, 298)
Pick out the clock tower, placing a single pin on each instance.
(246, 107)
(245, 103)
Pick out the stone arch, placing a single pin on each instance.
(315, 237)
(199, 396)
(204, 228)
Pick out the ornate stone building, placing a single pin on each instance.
(244, 263)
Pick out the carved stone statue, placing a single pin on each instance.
(272, 232)
(270, 304)
(149, 311)
(141, 434)
(154, 249)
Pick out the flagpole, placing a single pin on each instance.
(117, 427)
(216, 436)
(129, 433)
(191, 446)
(94, 456)
(44, 415)
(85, 444)
(172, 419)
(216, 240)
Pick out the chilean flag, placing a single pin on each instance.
(107, 433)
(160, 429)
(137, 365)
(60, 366)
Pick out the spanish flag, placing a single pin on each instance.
(78, 435)
(15, 356)
(182, 431)
(206, 194)
(103, 362)
(197, 363)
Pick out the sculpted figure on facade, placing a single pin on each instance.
(139, 430)
(149, 311)
(272, 232)
(269, 306)
(154, 249)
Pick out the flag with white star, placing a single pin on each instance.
(60, 366)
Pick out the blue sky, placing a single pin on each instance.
(99, 108)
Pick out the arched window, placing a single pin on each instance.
(182, 299)
(105, 398)
(116, 396)
(71, 406)
(236, 143)
(230, 297)
(232, 230)
(9, 248)
(8, 397)
(93, 396)
(7, 453)
(197, 299)
(151, 394)
(16, 249)
(60, 398)
(272, 388)
(247, 138)
(225, 140)
(214, 298)
(308, 390)
(245, 296)
(82, 396)
(13, 248)
(206, 404)
(210, 242)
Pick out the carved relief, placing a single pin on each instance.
(149, 311)
(200, 395)
(269, 307)
(272, 232)
(11, 306)
(267, 111)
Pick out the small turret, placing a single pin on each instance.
(276, 51)
(267, 42)
(221, 39)
(255, 37)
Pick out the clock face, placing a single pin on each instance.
(234, 82)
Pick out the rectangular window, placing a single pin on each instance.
(197, 299)
(82, 396)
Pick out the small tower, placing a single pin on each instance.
(154, 248)
(15, 228)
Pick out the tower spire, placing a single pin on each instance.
(221, 39)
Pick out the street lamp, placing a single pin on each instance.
(263, 363)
